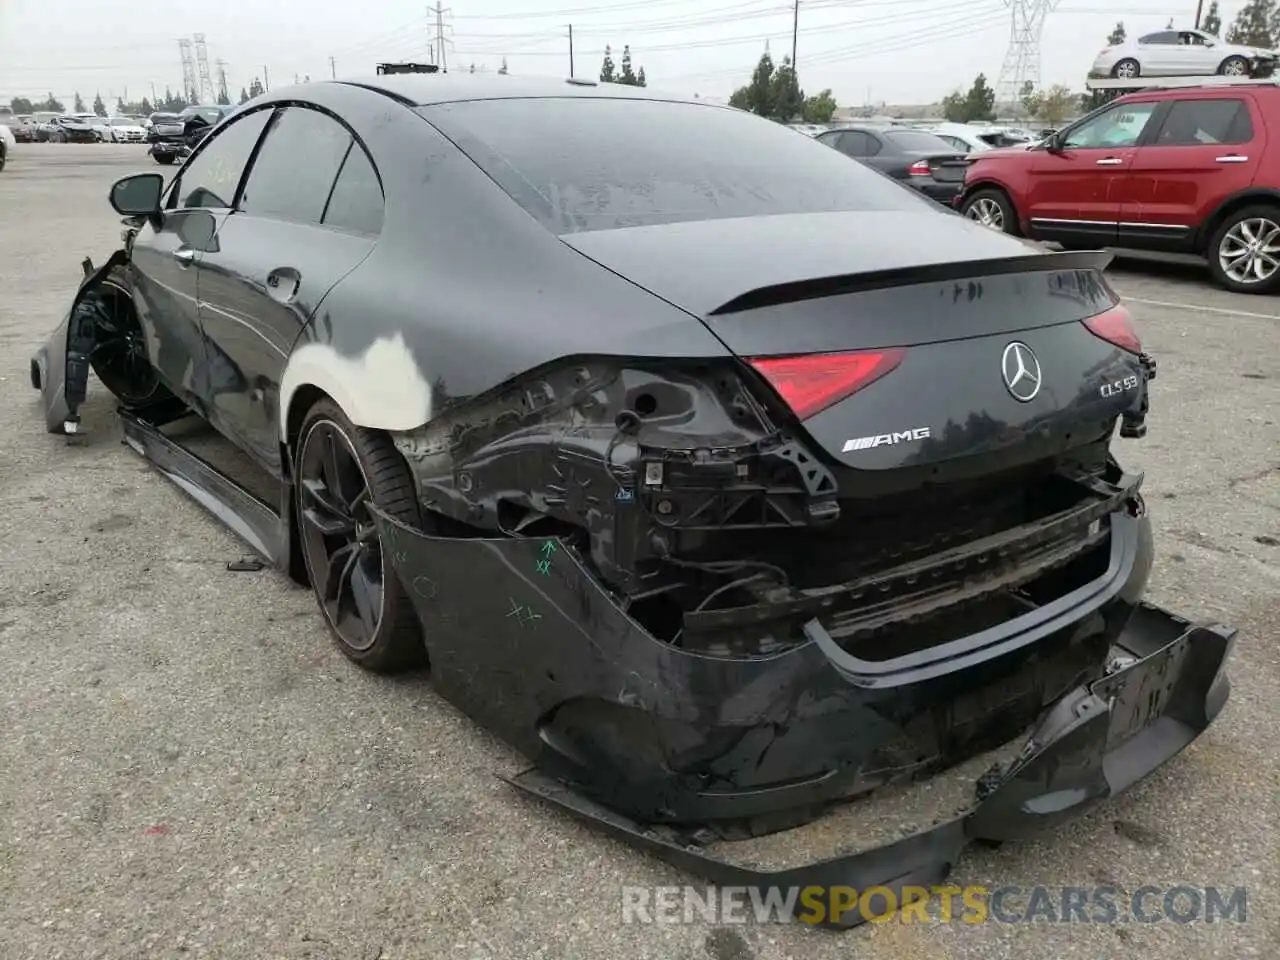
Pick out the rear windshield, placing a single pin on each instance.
(580, 163)
(917, 140)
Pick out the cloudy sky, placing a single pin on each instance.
(864, 50)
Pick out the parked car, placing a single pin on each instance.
(123, 130)
(44, 124)
(73, 129)
(174, 136)
(1187, 170)
(805, 518)
(20, 126)
(1181, 53)
(7, 142)
(915, 157)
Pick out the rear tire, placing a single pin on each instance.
(339, 468)
(164, 159)
(1244, 252)
(1234, 67)
(992, 208)
(1127, 69)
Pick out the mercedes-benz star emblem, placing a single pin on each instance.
(1021, 371)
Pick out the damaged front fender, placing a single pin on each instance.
(60, 368)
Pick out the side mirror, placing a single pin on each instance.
(138, 195)
(1053, 143)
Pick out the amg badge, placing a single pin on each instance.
(866, 443)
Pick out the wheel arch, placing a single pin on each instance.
(1232, 204)
(381, 389)
(990, 183)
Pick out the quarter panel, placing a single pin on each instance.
(463, 291)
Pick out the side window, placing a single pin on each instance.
(1118, 126)
(874, 146)
(1165, 36)
(960, 145)
(356, 202)
(295, 169)
(1196, 122)
(211, 178)
(855, 143)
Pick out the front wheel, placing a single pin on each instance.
(340, 470)
(1126, 69)
(1244, 252)
(164, 158)
(1234, 67)
(991, 208)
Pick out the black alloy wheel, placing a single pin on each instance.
(119, 353)
(340, 471)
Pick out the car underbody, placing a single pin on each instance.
(705, 635)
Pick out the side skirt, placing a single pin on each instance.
(263, 527)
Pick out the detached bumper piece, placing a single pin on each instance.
(685, 753)
(1095, 743)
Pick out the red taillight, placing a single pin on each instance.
(919, 169)
(814, 381)
(1116, 326)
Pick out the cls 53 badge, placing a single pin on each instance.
(1117, 387)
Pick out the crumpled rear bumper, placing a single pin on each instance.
(1096, 742)
(649, 741)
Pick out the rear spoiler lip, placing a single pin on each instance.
(818, 287)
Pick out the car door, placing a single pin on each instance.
(166, 254)
(1073, 193)
(1158, 53)
(1206, 148)
(308, 213)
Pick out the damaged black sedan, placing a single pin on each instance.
(737, 486)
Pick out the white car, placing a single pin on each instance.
(123, 130)
(971, 138)
(1181, 53)
(7, 143)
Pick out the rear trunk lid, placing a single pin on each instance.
(971, 341)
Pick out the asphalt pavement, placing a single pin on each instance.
(188, 766)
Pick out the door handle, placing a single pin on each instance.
(184, 256)
(1110, 162)
(1232, 158)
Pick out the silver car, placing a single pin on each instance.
(1181, 53)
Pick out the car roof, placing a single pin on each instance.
(426, 89)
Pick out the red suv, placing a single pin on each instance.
(1191, 170)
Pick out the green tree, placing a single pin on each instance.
(627, 75)
(1117, 35)
(1212, 22)
(819, 107)
(79, 104)
(757, 96)
(1253, 24)
(51, 104)
(99, 107)
(1055, 104)
(145, 108)
(608, 73)
(978, 104)
(1028, 98)
(256, 89)
(787, 97)
(640, 78)
(22, 105)
(244, 95)
(120, 107)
